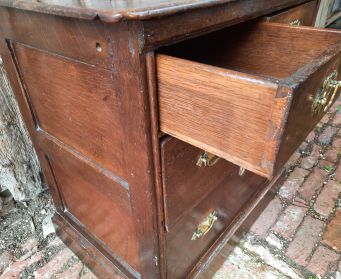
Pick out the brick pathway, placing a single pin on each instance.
(298, 235)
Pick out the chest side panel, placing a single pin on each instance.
(87, 116)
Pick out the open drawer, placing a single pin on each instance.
(250, 93)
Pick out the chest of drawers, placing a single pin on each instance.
(160, 125)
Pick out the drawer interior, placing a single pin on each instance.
(265, 49)
(246, 93)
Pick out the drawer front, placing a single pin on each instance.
(234, 98)
(185, 183)
(301, 15)
(186, 241)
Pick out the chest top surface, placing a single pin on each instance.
(112, 11)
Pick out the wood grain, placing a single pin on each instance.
(185, 184)
(87, 90)
(64, 36)
(195, 107)
(227, 196)
(301, 120)
(216, 254)
(305, 13)
(232, 100)
(95, 258)
(82, 188)
(64, 104)
(159, 194)
(114, 11)
(178, 27)
(82, 85)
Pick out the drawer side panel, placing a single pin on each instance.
(214, 109)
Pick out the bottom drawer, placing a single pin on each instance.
(186, 241)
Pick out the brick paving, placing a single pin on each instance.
(298, 235)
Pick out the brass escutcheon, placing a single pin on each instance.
(204, 227)
(207, 159)
(325, 96)
(295, 22)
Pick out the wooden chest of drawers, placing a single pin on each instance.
(160, 125)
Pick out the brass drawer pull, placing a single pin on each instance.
(326, 95)
(207, 159)
(295, 22)
(205, 226)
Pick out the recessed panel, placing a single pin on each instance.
(75, 102)
(98, 202)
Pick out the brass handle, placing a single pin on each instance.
(241, 171)
(205, 226)
(295, 22)
(207, 159)
(326, 95)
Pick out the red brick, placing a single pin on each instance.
(303, 147)
(337, 144)
(5, 259)
(74, 272)
(337, 176)
(335, 106)
(310, 137)
(322, 259)
(325, 119)
(14, 270)
(30, 244)
(267, 217)
(300, 202)
(56, 242)
(293, 159)
(54, 265)
(310, 161)
(313, 183)
(306, 237)
(90, 275)
(293, 182)
(331, 155)
(326, 165)
(289, 221)
(337, 120)
(327, 199)
(326, 136)
(332, 235)
(30, 247)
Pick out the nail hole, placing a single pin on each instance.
(98, 47)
